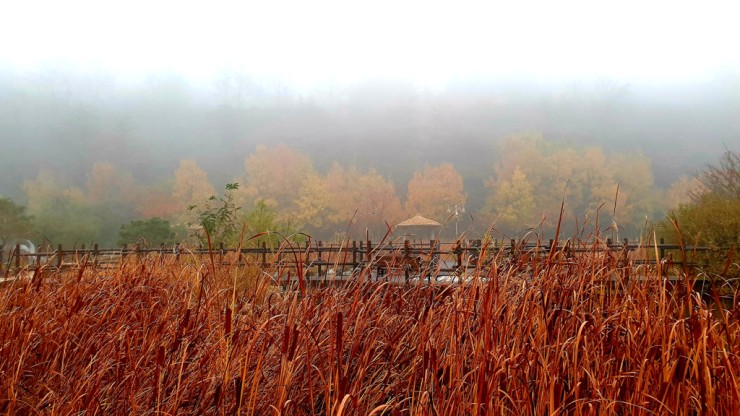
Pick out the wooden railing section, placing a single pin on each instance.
(322, 257)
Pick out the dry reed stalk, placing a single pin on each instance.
(582, 334)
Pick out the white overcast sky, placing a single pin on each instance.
(425, 41)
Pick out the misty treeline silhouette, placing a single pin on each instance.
(89, 151)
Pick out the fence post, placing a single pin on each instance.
(458, 255)
(17, 256)
(407, 258)
(354, 254)
(318, 258)
(432, 254)
(264, 254)
(319, 246)
(60, 256)
(221, 253)
(662, 249)
(368, 250)
(478, 248)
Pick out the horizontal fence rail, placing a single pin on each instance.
(325, 257)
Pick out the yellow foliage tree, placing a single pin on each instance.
(512, 200)
(277, 174)
(312, 205)
(191, 187)
(592, 179)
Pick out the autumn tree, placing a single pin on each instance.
(681, 190)
(378, 202)
(588, 179)
(512, 200)
(277, 174)
(108, 184)
(367, 199)
(191, 187)
(339, 183)
(157, 200)
(432, 192)
(114, 194)
(311, 208)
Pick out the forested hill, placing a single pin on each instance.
(71, 125)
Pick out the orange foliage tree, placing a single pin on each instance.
(158, 201)
(108, 184)
(367, 197)
(432, 192)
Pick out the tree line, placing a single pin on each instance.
(280, 189)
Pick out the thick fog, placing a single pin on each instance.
(133, 93)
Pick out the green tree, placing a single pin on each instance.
(713, 215)
(722, 180)
(149, 233)
(63, 215)
(14, 222)
(218, 216)
(714, 221)
(264, 219)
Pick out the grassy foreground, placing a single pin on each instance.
(535, 336)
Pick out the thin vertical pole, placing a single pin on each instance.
(60, 256)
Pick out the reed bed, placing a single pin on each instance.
(587, 335)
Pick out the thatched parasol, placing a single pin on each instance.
(418, 227)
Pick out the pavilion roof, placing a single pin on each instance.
(418, 221)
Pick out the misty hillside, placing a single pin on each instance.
(64, 121)
(114, 148)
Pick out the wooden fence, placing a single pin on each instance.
(322, 258)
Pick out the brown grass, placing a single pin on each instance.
(540, 336)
